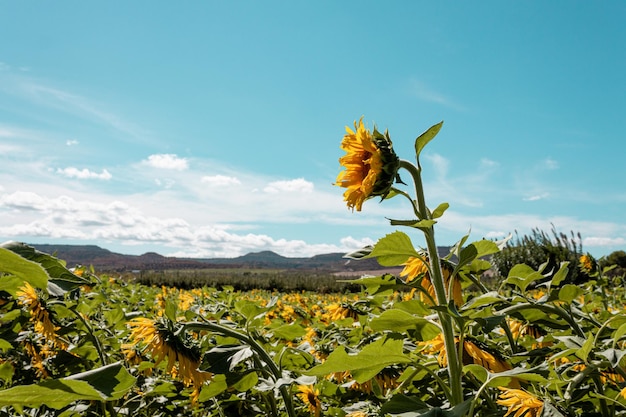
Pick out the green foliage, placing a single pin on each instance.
(543, 252)
(616, 261)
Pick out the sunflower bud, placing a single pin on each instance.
(370, 163)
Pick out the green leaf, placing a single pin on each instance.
(400, 321)
(560, 275)
(365, 364)
(423, 139)
(225, 358)
(585, 349)
(494, 379)
(109, 382)
(474, 251)
(400, 403)
(61, 278)
(613, 355)
(6, 372)
(521, 275)
(569, 292)
(246, 382)
(482, 300)
(289, 331)
(417, 224)
(249, 309)
(621, 331)
(393, 249)
(360, 253)
(27, 271)
(216, 387)
(438, 212)
(479, 372)
(375, 285)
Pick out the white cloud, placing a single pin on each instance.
(71, 142)
(488, 163)
(297, 185)
(33, 215)
(84, 173)
(219, 180)
(536, 197)
(349, 243)
(604, 241)
(440, 163)
(167, 161)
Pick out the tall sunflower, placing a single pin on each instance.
(162, 344)
(520, 402)
(371, 165)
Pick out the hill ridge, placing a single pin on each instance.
(104, 260)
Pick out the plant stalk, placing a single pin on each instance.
(447, 327)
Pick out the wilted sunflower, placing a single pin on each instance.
(416, 267)
(520, 402)
(163, 344)
(27, 296)
(481, 356)
(310, 397)
(371, 165)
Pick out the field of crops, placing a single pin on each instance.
(75, 344)
(438, 339)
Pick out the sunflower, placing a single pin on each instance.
(27, 296)
(310, 397)
(520, 402)
(163, 344)
(586, 263)
(371, 165)
(480, 356)
(416, 267)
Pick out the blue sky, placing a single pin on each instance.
(213, 128)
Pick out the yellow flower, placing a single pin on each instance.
(357, 414)
(39, 315)
(484, 358)
(586, 263)
(520, 402)
(436, 346)
(310, 397)
(163, 344)
(416, 267)
(623, 393)
(371, 165)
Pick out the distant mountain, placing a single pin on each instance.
(104, 260)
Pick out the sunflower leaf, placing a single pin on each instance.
(426, 137)
(393, 249)
(364, 365)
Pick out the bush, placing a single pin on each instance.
(544, 252)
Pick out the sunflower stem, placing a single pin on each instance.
(447, 328)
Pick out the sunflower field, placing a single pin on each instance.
(436, 340)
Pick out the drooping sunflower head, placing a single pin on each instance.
(310, 397)
(371, 165)
(520, 402)
(163, 344)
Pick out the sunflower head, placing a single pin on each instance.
(371, 165)
(586, 263)
(520, 403)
